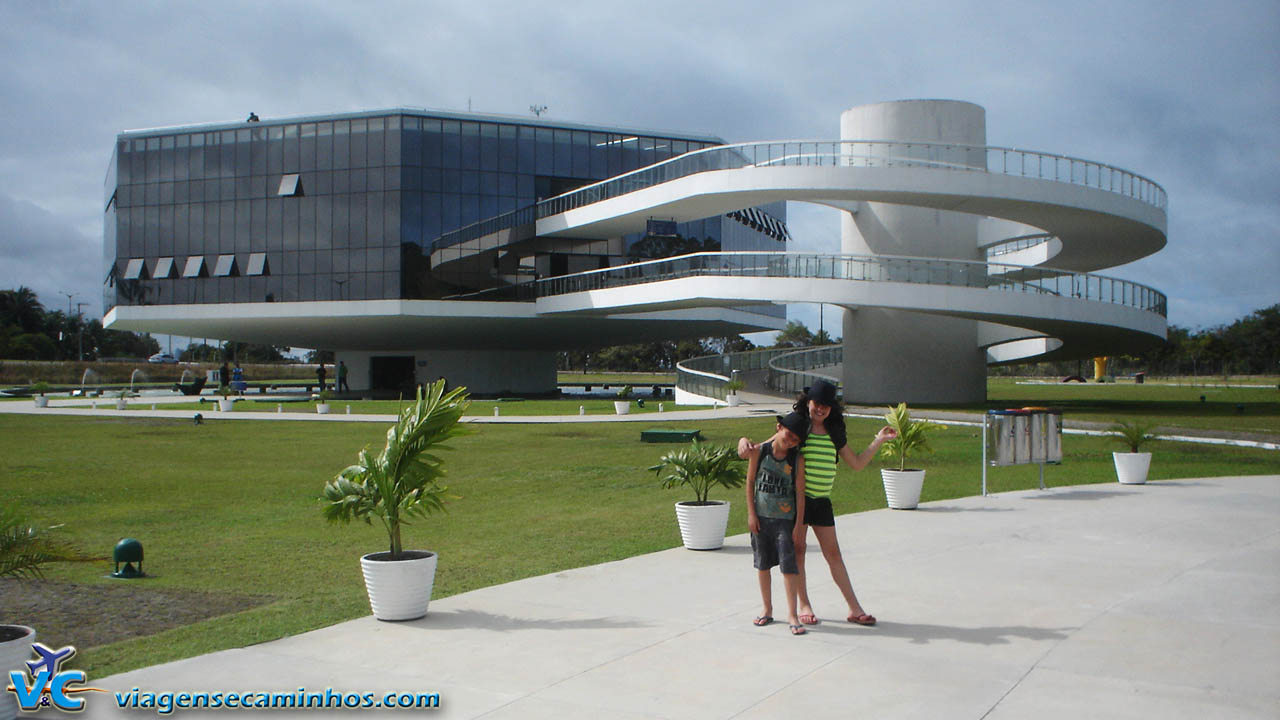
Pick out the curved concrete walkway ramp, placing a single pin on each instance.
(1100, 601)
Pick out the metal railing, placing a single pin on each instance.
(787, 369)
(868, 153)
(792, 372)
(1012, 245)
(832, 153)
(868, 268)
(474, 231)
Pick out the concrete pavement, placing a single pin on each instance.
(1099, 601)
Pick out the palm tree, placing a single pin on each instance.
(402, 480)
(23, 308)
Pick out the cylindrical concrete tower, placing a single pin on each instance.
(893, 356)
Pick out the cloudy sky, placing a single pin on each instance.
(1185, 93)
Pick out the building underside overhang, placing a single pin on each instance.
(401, 325)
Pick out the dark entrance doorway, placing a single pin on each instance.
(392, 374)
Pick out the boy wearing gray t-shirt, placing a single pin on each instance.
(775, 498)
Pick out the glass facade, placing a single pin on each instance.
(347, 207)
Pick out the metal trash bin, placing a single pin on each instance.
(1002, 437)
(1020, 437)
(1053, 436)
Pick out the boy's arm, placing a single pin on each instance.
(746, 448)
(753, 521)
(801, 530)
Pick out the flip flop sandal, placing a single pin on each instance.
(809, 619)
(798, 630)
(863, 619)
(762, 620)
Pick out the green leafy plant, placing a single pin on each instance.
(41, 388)
(701, 467)
(733, 386)
(224, 391)
(324, 396)
(624, 392)
(25, 547)
(401, 481)
(1132, 434)
(912, 437)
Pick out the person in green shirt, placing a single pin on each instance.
(825, 444)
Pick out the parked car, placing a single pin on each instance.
(163, 358)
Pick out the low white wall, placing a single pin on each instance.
(684, 397)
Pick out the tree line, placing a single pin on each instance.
(29, 331)
(660, 356)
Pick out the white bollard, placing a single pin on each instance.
(153, 407)
(582, 410)
(659, 407)
(495, 411)
(279, 407)
(348, 409)
(95, 405)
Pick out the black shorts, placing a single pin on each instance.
(818, 512)
(773, 545)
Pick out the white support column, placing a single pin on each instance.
(895, 355)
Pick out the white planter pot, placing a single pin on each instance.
(322, 408)
(13, 654)
(226, 404)
(902, 488)
(41, 401)
(702, 526)
(399, 589)
(1131, 468)
(733, 400)
(122, 404)
(622, 407)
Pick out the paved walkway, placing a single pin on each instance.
(1100, 601)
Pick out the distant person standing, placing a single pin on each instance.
(224, 376)
(320, 375)
(342, 377)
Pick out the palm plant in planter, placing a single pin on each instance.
(395, 484)
(731, 389)
(902, 486)
(322, 402)
(622, 405)
(701, 467)
(37, 392)
(23, 549)
(1132, 467)
(225, 404)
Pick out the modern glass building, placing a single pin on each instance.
(370, 233)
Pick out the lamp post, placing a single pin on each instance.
(80, 333)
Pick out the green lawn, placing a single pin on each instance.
(231, 507)
(1237, 409)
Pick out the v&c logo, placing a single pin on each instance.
(49, 685)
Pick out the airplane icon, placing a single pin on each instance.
(49, 659)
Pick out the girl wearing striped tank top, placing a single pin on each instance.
(825, 444)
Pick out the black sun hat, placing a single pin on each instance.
(795, 422)
(821, 392)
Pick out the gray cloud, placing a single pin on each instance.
(1182, 92)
